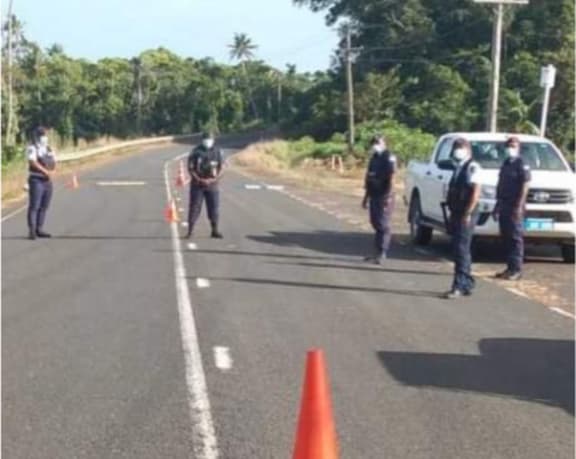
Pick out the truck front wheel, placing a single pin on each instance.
(419, 234)
(567, 253)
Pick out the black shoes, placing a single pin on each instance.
(509, 275)
(375, 259)
(32, 235)
(216, 234)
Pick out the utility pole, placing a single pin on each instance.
(350, 85)
(10, 140)
(547, 81)
(496, 58)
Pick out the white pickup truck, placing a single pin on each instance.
(550, 210)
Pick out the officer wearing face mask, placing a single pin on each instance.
(462, 201)
(511, 193)
(379, 196)
(41, 166)
(205, 167)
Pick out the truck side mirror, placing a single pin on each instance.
(446, 165)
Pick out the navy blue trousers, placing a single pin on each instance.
(199, 194)
(462, 235)
(512, 232)
(40, 195)
(381, 208)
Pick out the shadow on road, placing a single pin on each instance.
(366, 267)
(537, 370)
(308, 285)
(87, 238)
(356, 244)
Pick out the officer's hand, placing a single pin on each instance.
(364, 203)
(466, 220)
(496, 214)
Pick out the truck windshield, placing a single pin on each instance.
(538, 155)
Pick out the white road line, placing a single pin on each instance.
(16, 212)
(192, 246)
(222, 358)
(178, 198)
(249, 186)
(203, 434)
(180, 209)
(562, 312)
(202, 283)
(275, 187)
(121, 183)
(184, 224)
(515, 291)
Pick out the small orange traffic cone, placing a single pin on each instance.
(73, 184)
(316, 435)
(181, 179)
(170, 213)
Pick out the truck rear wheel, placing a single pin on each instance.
(419, 234)
(567, 253)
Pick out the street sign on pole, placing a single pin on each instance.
(547, 81)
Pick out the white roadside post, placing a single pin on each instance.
(496, 52)
(547, 81)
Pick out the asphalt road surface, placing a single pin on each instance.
(122, 341)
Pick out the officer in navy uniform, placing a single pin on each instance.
(379, 196)
(511, 193)
(462, 202)
(41, 166)
(205, 167)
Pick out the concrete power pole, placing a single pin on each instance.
(496, 57)
(10, 140)
(350, 85)
(492, 124)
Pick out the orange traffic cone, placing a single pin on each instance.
(181, 179)
(316, 435)
(73, 184)
(170, 213)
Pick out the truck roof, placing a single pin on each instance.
(498, 136)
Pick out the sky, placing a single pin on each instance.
(93, 29)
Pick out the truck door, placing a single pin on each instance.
(437, 182)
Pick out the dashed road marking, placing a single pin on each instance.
(202, 283)
(121, 183)
(180, 209)
(222, 358)
(250, 186)
(275, 187)
(192, 246)
(184, 224)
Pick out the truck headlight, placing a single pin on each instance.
(488, 192)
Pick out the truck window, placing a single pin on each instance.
(444, 151)
(538, 155)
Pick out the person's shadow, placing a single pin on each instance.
(537, 370)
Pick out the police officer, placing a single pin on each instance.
(41, 166)
(205, 167)
(379, 196)
(462, 202)
(511, 193)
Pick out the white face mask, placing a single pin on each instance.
(208, 143)
(512, 152)
(460, 154)
(43, 140)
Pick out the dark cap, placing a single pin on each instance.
(40, 131)
(207, 135)
(377, 139)
(460, 142)
(512, 141)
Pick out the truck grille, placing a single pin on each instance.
(544, 196)
(557, 216)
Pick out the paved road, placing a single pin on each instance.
(98, 345)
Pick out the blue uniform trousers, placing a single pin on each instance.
(461, 248)
(40, 195)
(199, 194)
(512, 232)
(381, 208)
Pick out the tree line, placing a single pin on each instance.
(423, 64)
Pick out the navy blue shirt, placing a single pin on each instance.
(379, 173)
(514, 173)
(205, 162)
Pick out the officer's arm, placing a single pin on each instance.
(473, 199)
(525, 189)
(191, 160)
(220, 171)
(35, 164)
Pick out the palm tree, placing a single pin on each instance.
(242, 50)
